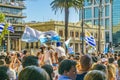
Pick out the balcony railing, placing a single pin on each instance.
(22, 15)
(18, 4)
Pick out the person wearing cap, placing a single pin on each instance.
(60, 51)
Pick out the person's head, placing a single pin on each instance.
(60, 59)
(86, 62)
(2, 62)
(111, 71)
(95, 75)
(104, 61)
(8, 59)
(111, 60)
(68, 68)
(95, 59)
(100, 67)
(30, 60)
(33, 73)
(49, 70)
(24, 52)
(118, 62)
(3, 73)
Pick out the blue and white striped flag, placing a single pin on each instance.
(1, 27)
(31, 35)
(90, 39)
(11, 28)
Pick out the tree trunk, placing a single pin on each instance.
(66, 22)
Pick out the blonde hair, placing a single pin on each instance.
(95, 75)
(111, 72)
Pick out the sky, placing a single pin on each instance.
(40, 11)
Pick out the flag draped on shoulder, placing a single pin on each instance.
(89, 39)
(31, 35)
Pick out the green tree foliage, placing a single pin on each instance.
(5, 31)
(66, 5)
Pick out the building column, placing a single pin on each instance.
(16, 45)
(8, 45)
(19, 41)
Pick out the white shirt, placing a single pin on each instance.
(61, 51)
(12, 74)
(47, 56)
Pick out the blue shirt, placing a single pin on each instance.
(63, 77)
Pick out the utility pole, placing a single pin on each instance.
(82, 27)
(99, 25)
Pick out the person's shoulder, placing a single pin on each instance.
(81, 76)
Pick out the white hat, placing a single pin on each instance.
(43, 45)
(104, 59)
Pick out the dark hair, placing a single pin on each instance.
(42, 50)
(61, 59)
(2, 62)
(18, 55)
(48, 69)
(111, 60)
(95, 59)
(33, 73)
(8, 59)
(2, 57)
(118, 54)
(3, 73)
(66, 65)
(25, 52)
(30, 60)
(118, 62)
(100, 67)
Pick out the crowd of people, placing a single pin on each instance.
(52, 63)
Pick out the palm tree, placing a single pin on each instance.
(66, 5)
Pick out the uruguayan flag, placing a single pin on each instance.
(67, 42)
(31, 35)
(90, 39)
(1, 27)
(70, 50)
(10, 28)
